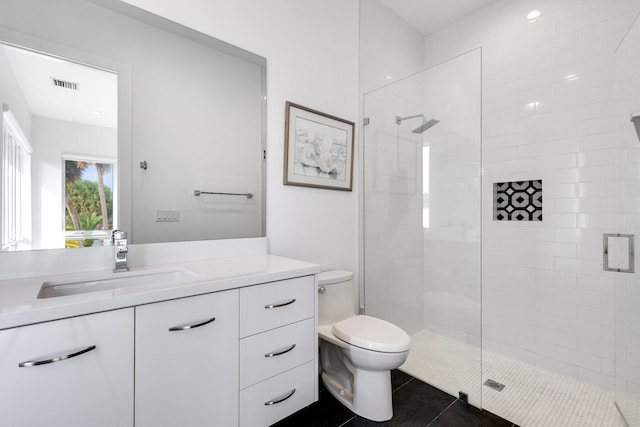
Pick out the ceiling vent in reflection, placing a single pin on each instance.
(65, 84)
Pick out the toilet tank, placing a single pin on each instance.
(336, 296)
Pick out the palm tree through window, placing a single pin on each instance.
(89, 196)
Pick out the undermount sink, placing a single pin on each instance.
(113, 281)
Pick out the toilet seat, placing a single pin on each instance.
(372, 333)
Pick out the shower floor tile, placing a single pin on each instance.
(531, 397)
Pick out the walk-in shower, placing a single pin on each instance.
(515, 311)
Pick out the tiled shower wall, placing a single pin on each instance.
(548, 113)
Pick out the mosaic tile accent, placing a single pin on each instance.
(517, 201)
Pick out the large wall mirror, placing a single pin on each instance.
(116, 118)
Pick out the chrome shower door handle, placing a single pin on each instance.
(280, 398)
(187, 326)
(74, 353)
(280, 304)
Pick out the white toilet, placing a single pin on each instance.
(357, 352)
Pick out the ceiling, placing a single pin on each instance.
(94, 103)
(427, 16)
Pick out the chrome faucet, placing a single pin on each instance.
(119, 240)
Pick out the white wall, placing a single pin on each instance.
(51, 139)
(390, 49)
(312, 59)
(546, 300)
(11, 95)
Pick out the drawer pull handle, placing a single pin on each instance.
(280, 351)
(191, 325)
(280, 304)
(74, 353)
(280, 398)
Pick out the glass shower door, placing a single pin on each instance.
(627, 286)
(422, 219)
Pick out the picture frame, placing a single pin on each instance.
(318, 149)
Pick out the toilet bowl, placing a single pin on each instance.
(357, 352)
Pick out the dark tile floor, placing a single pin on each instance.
(415, 403)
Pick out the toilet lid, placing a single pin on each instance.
(372, 334)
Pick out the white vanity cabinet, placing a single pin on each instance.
(234, 346)
(74, 372)
(186, 366)
(278, 348)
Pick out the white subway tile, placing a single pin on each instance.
(596, 378)
(561, 220)
(596, 347)
(573, 265)
(590, 251)
(590, 314)
(601, 220)
(539, 347)
(556, 249)
(601, 189)
(578, 235)
(583, 360)
(554, 365)
(559, 338)
(516, 353)
(564, 190)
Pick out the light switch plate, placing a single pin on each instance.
(167, 215)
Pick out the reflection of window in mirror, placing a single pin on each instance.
(88, 201)
(425, 186)
(16, 185)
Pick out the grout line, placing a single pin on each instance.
(402, 385)
(445, 410)
(350, 419)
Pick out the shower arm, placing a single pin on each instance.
(400, 119)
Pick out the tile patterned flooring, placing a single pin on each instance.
(533, 397)
(415, 404)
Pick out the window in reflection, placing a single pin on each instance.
(16, 186)
(88, 202)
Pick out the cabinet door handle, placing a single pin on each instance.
(280, 351)
(188, 326)
(280, 304)
(281, 398)
(74, 353)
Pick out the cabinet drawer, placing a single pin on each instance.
(276, 304)
(90, 384)
(267, 354)
(269, 401)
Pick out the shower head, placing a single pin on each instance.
(426, 124)
(635, 119)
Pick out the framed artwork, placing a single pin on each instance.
(318, 149)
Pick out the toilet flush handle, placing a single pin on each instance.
(321, 289)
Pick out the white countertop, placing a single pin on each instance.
(19, 304)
